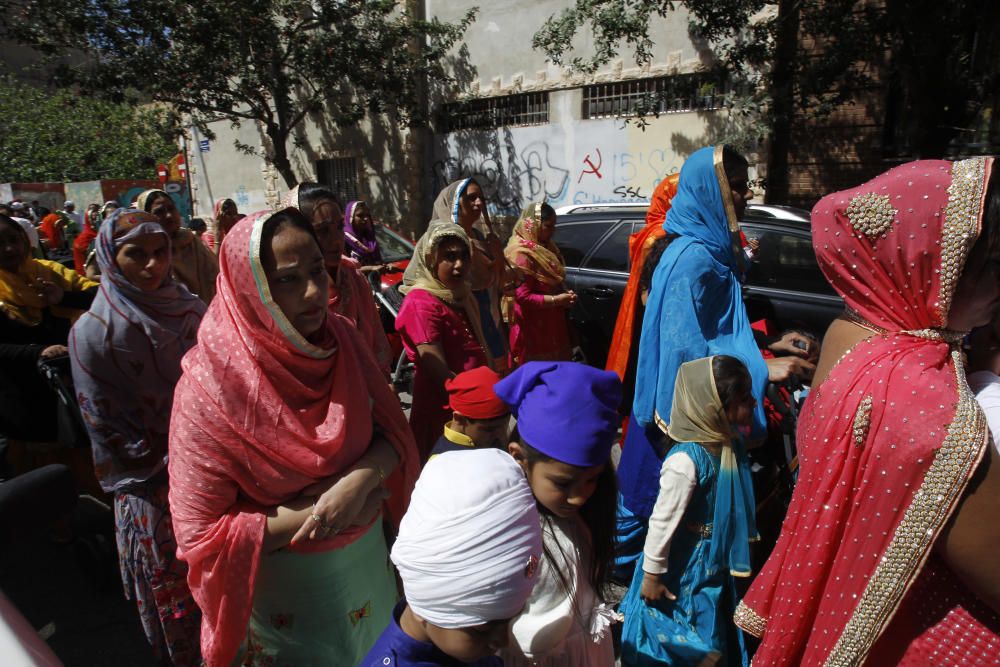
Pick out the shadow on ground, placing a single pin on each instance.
(72, 593)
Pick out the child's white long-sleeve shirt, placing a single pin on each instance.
(678, 479)
(559, 626)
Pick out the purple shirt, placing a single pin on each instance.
(395, 647)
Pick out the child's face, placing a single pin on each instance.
(472, 643)
(561, 488)
(486, 432)
(739, 412)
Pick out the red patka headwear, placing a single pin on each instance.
(471, 394)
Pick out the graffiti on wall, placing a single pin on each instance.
(510, 180)
(516, 166)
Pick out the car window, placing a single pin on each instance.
(612, 254)
(393, 248)
(575, 239)
(786, 260)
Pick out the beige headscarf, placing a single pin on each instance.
(446, 208)
(420, 274)
(447, 203)
(697, 413)
(193, 263)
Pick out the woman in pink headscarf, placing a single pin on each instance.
(282, 436)
(224, 216)
(888, 553)
(350, 292)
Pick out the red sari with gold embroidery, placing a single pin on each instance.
(887, 443)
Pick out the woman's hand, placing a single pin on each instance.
(54, 351)
(565, 300)
(795, 344)
(343, 501)
(783, 369)
(49, 292)
(653, 589)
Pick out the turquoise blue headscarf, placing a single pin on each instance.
(695, 309)
(695, 306)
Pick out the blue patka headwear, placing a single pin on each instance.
(565, 410)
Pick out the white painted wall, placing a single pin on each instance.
(223, 172)
(571, 161)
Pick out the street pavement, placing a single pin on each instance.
(73, 599)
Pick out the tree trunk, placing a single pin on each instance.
(414, 216)
(782, 101)
(279, 156)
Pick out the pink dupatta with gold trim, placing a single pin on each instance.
(889, 441)
(259, 414)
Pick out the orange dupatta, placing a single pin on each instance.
(639, 245)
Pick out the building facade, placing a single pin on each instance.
(526, 129)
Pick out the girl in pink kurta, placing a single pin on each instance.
(439, 325)
(540, 327)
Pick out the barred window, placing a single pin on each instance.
(341, 176)
(491, 112)
(668, 94)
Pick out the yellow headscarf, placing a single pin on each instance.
(547, 263)
(19, 296)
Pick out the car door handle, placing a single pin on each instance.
(599, 291)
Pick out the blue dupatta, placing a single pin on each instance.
(695, 306)
(695, 309)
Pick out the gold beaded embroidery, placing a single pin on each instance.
(933, 503)
(749, 620)
(961, 225)
(701, 529)
(871, 214)
(862, 420)
(939, 335)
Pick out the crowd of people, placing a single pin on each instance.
(274, 505)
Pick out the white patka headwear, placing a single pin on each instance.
(470, 542)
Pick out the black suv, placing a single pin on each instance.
(784, 285)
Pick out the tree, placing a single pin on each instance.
(803, 58)
(268, 62)
(60, 136)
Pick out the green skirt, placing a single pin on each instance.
(321, 608)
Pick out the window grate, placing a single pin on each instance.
(491, 112)
(669, 94)
(341, 176)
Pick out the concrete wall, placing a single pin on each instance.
(224, 172)
(496, 50)
(572, 161)
(49, 195)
